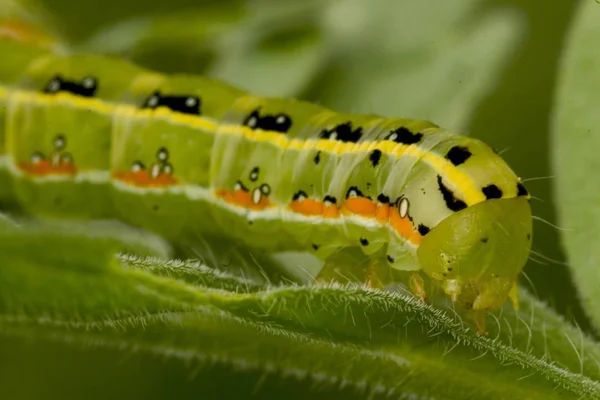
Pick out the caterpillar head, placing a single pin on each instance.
(476, 254)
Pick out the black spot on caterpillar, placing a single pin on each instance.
(317, 158)
(300, 195)
(86, 88)
(382, 198)
(375, 156)
(275, 123)
(423, 229)
(353, 191)
(343, 133)
(404, 135)
(521, 191)
(330, 199)
(451, 201)
(458, 155)
(182, 104)
(492, 192)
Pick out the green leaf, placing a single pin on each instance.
(368, 341)
(575, 140)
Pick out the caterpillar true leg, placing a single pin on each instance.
(513, 295)
(374, 275)
(344, 267)
(417, 286)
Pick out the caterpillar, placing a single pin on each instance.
(89, 136)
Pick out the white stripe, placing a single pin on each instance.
(196, 193)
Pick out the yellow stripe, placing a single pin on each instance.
(458, 180)
(64, 98)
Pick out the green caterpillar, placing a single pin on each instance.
(92, 137)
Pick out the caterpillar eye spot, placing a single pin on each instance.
(60, 142)
(300, 195)
(66, 158)
(256, 196)
(162, 154)
(137, 166)
(190, 102)
(53, 86)
(153, 101)
(168, 169)
(265, 189)
(353, 191)
(37, 157)
(329, 201)
(281, 123)
(403, 207)
(252, 122)
(88, 83)
(240, 186)
(155, 171)
(254, 174)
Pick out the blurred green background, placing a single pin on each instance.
(485, 68)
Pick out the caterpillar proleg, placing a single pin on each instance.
(95, 137)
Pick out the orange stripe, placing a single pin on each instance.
(307, 207)
(361, 206)
(243, 198)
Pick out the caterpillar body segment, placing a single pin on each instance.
(94, 137)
